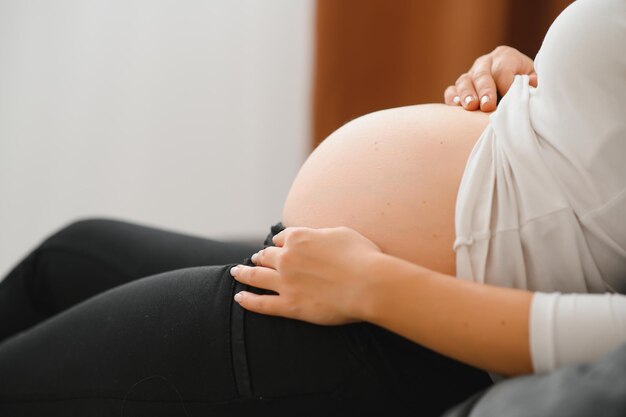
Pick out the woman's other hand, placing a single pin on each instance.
(319, 275)
(490, 74)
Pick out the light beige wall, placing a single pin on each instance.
(190, 115)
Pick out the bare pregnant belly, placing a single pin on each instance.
(393, 176)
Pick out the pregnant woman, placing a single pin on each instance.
(352, 306)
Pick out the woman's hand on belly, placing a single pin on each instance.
(490, 74)
(318, 275)
(334, 276)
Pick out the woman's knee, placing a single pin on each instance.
(79, 230)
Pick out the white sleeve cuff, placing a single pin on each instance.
(541, 336)
(574, 328)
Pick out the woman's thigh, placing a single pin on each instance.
(162, 339)
(90, 256)
(171, 342)
(176, 343)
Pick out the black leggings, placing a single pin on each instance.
(91, 324)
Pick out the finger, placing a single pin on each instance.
(484, 84)
(267, 257)
(256, 276)
(279, 238)
(262, 304)
(507, 62)
(294, 234)
(283, 236)
(450, 97)
(504, 77)
(465, 88)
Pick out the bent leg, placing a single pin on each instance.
(177, 344)
(150, 340)
(91, 256)
(167, 344)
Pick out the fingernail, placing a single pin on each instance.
(233, 270)
(484, 99)
(253, 257)
(238, 297)
(468, 100)
(456, 100)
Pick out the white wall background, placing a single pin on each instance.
(191, 115)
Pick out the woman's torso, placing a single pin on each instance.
(543, 196)
(542, 202)
(393, 176)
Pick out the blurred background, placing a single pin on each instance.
(195, 115)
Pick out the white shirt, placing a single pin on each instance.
(542, 201)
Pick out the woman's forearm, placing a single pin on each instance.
(481, 325)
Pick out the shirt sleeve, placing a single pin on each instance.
(575, 328)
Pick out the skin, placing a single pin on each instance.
(490, 74)
(393, 176)
(340, 261)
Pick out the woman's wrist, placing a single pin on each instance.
(482, 325)
(371, 296)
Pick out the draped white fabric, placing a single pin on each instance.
(542, 202)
